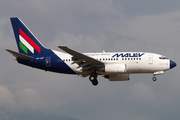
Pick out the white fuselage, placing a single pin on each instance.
(136, 62)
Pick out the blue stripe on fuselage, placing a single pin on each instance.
(49, 63)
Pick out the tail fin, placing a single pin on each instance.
(27, 43)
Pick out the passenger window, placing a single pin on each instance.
(136, 58)
(116, 58)
(139, 58)
(128, 58)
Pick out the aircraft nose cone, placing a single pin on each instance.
(172, 64)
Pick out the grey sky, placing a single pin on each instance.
(92, 26)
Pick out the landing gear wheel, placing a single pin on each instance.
(95, 82)
(154, 78)
(91, 78)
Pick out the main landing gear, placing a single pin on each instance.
(93, 78)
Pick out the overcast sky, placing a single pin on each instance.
(92, 26)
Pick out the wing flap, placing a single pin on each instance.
(77, 61)
(19, 55)
(83, 65)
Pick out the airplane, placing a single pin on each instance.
(115, 66)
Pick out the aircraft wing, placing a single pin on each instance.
(82, 60)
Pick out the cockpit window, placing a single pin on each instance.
(163, 58)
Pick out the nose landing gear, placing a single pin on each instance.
(157, 73)
(154, 78)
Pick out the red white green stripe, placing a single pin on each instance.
(24, 48)
(28, 43)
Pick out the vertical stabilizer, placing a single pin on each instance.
(27, 43)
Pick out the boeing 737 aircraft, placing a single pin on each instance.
(115, 66)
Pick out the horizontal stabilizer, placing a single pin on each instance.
(19, 55)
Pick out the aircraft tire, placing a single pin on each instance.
(154, 78)
(95, 82)
(91, 78)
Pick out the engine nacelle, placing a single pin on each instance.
(121, 77)
(115, 68)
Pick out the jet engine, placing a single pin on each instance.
(115, 68)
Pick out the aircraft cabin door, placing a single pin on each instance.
(150, 59)
(48, 61)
